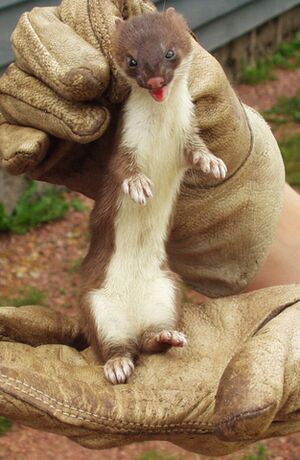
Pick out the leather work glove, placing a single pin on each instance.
(237, 380)
(60, 104)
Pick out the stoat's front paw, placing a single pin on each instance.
(117, 370)
(210, 164)
(138, 187)
(172, 338)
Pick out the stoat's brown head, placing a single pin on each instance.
(150, 48)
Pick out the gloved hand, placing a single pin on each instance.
(66, 89)
(237, 381)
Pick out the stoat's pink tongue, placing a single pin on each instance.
(160, 94)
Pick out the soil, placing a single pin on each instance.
(48, 259)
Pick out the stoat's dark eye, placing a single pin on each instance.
(132, 62)
(170, 54)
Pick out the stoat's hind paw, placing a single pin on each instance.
(210, 164)
(138, 187)
(172, 338)
(117, 370)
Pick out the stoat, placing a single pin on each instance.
(129, 295)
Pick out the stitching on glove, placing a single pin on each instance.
(187, 426)
(244, 415)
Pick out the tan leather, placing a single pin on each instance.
(21, 148)
(236, 381)
(47, 108)
(222, 231)
(75, 75)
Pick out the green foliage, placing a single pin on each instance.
(34, 208)
(5, 425)
(4, 219)
(287, 56)
(78, 205)
(260, 455)
(285, 110)
(153, 455)
(26, 296)
(290, 149)
(252, 75)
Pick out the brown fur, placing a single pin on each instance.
(128, 349)
(147, 345)
(122, 165)
(150, 31)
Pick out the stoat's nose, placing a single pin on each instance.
(155, 82)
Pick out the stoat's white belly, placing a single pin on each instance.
(135, 284)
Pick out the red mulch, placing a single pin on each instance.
(48, 258)
(263, 96)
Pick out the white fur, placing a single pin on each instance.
(136, 293)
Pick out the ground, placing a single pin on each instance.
(48, 259)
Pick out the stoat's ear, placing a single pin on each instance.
(170, 11)
(119, 23)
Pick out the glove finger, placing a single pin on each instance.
(26, 396)
(220, 116)
(78, 72)
(69, 388)
(170, 396)
(28, 102)
(36, 325)
(261, 381)
(30, 151)
(102, 16)
(21, 148)
(74, 165)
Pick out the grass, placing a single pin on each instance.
(36, 208)
(5, 425)
(285, 110)
(290, 149)
(252, 75)
(260, 455)
(33, 209)
(78, 205)
(26, 296)
(287, 56)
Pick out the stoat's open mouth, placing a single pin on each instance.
(160, 94)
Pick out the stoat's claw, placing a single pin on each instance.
(172, 338)
(138, 187)
(117, 370)
(210, 164)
